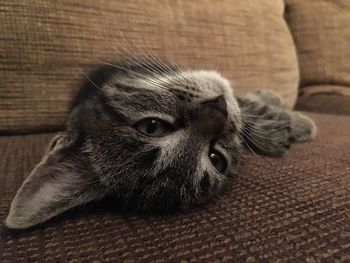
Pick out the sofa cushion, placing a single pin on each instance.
(44, 45)
(290, 209)
(328, 99)
(321, 32)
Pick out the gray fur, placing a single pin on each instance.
(102, 151)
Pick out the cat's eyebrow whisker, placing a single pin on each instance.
(161, 63)
(143, 77)
(152, 72)
(172, 73)
(175, 75)
(168, 69)
(152, 57)
(130, 54)
(132, 58)
(173, 78)
(99, 89)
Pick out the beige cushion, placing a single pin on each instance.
(45, 43)
(321, 29)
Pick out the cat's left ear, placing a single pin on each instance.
(60, 181)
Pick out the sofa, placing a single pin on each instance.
(290, 209)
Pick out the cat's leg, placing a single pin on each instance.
(303, 128)
(270, 129)
(267, 96)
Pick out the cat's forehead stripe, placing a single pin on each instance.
(192, 82)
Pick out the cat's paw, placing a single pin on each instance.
(302, 128)
(267, 96)
(270, 134)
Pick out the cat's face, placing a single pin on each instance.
(163, 141)
(153, 136)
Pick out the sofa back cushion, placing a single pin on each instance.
(321, 30)
(45, 45)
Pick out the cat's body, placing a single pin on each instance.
(156, 138)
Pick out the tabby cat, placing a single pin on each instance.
(155, 137)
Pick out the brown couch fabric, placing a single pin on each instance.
(44, 43)
(290, 209)
(321, 31)
(328, 103)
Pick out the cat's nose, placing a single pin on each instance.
(210, 116)
(219, 103)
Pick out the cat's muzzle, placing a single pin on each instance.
(210, 116)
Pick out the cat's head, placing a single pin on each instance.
(154, 136)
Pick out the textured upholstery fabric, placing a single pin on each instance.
(326, 89)
(321, 30)
(45, 43)
(290, 209)
(329, 99)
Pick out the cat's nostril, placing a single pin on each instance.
(218, 103)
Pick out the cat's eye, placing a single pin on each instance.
(218, 161)
(153, 127)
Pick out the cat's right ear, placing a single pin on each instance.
(60, 181)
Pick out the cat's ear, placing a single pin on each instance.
(60, 181)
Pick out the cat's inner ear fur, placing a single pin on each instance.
(62, 180)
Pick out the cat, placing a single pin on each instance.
(155, 137)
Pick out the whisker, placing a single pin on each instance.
(253, 128)
(144, 63)
(99, 89)
(144, 77)
(243, 140)
(264, 137)
(254, 143)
